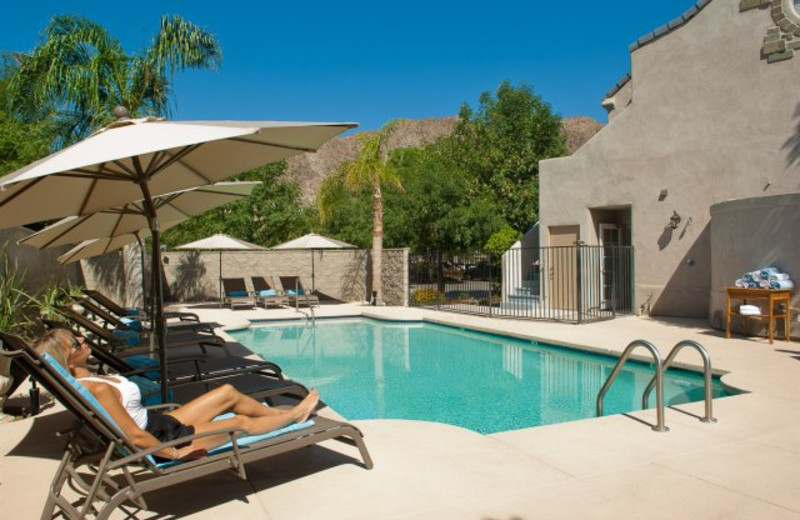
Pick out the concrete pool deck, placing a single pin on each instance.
(747, 465)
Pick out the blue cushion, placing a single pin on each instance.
(150, 391)
(268, 292)
(132, 312)
(247, 440)
(139, 361)
(132, 324)
(299, 292)
(237, 294)
(130, 337)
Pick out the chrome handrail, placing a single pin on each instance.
(709, 417)
(659, 377)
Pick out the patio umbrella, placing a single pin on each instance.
(136, 159)
(314, 241)
(131, 218)
(220, 242)
(117, 227)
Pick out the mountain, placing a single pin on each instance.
(310, 169)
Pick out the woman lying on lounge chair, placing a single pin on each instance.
(145, 428)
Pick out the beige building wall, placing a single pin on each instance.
(748, 234)
(708, 120)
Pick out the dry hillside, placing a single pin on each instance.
(309, 169)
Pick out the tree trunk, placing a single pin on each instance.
(377, 243)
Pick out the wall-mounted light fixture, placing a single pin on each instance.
(663, 195)
(674, 220)
(165, 260)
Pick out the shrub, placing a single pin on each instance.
(427, 297)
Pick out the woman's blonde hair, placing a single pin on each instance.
(57, 343)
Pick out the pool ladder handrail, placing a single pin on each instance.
(709, 395)
(659, 381)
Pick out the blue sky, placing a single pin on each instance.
(371, 62)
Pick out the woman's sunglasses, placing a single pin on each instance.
(76, 344)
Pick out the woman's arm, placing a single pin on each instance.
(110, 400)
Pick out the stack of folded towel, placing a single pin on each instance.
(765, 278)
(749, 310)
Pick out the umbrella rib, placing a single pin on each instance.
(78, 221)
(86, 198)
(273, 145)
(21, 191)
(171, 159)
(116, 226)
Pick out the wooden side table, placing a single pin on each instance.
(772, 297)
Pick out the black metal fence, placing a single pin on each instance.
(576, 284)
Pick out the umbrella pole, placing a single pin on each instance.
(313, 287)
(220, 278)
(159, 323)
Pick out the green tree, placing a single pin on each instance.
(271, 215)
(500, 146)
(438, 212)
(368, 171)
(20, 143)
(79, 73)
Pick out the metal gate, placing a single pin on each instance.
(576, 284)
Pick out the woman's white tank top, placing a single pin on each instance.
(131, 396)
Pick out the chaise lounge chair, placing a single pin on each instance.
(266, 294)
(124, 312)
(112, 321)
(132, 342)
(296, 293)
(235, 293)
(101, 451)
(105, 346)
(191, 377)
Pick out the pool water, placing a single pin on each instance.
(369, 369)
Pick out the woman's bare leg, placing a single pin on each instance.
(220, 400)
(256, 425)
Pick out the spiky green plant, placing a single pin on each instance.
(16, 306)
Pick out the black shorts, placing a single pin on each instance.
(166, 428)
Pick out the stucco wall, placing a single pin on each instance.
(340, 274)
(749, 234)
(709, 121)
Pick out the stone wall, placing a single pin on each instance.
(40, 269)
(338, 274)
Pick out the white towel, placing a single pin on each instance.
(782, 284)
(778, 277)
(764, 284)
(752, 309)
(741, 283)
(766, 272)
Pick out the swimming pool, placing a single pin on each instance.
(368, 369)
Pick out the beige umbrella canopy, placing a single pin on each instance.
(314, 241)
(136, 159)
(101, 246)
(115, 165)
(131, 218)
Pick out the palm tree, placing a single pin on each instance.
(79, 73)
(369, 170)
